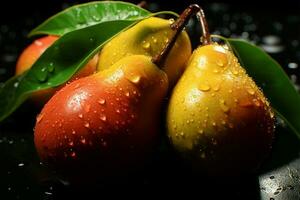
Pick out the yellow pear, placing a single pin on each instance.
(217, 118)
(148, 37)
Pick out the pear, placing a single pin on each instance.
(218, 119)
(32, 52)
(108, 123)
(148, 38)
(104, 122)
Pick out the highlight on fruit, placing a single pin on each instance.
(112, 87)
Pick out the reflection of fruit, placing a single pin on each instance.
(217, 118)
(109, 118)
(33, 52)
(147, 38)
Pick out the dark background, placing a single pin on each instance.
(275, 26)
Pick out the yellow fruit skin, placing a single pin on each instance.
(217, 118)
(148, 37)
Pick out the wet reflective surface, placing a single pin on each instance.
(23, 176)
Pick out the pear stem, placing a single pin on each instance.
(205, 31)
(177, 27)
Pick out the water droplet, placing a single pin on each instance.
(16, 84)
(20, 164)
(117, 110)
(96, 18)
(83, 141)
(235, 72)
(87, 125)
(51, 67)
(146, 45)
(171, 21)
(102, 101)
(181, 133)
(73, 154)
(127, 94)
(80, 116)
(71, 143)
(214, 123)
(256, 102)
(293, 65)
(200, 131)
(92, 39)
(223, 106)
(216, 87)
(216, 71)
(250, 91)
(135, 79)
(220, 63)
(103, 118)
(73, 132)
(204, 87)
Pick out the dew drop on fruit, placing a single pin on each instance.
(103, 118)
(220, 63)
(204, 87)
(80, 116)
(216, 88)
(135, 79)
(127, 94)
(250, 91)
(83, 141)
(71, 143)
(102, 101)
(87, 125)
(235, 72)
(223, 106)
(73, 154)
(171, 21)
(146, 45)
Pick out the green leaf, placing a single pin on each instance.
(59, 62)
(270, 76)
(84, 15)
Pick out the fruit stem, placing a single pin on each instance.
(177, 27)
(205, 31)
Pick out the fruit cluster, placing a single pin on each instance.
(108, 122)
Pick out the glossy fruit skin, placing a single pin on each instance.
(31, 53)
(148, 37)
(105, 124)
(218, 119)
